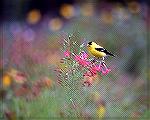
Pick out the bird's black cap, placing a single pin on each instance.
(90, 43)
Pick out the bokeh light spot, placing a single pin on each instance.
(134, 7)
(106, 17)
(33, 16)
(87, 9)
(55, 24)
(67, 11)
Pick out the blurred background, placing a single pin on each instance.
(29, 35)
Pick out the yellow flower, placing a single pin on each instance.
(6, 80)
(101, 110)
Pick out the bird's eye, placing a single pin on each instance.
(90, 43)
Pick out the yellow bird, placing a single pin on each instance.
(97, 50)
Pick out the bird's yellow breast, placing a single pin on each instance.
(96, 53)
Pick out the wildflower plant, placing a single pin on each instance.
(77, 70)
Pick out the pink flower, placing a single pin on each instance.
(77, 58)
(81, 61)
(97, 68)
(84, 55)
(66, 53)
(104, 69)
(84, 63)
(20, 77)
(88, 74)
(93, 71)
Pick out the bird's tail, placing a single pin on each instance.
(108, 53)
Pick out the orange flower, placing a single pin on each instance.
(88, 80)
(6, 80)
(47, 82)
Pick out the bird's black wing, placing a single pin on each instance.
(104, 50)
(100, 49)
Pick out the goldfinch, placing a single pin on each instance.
(97, 50)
